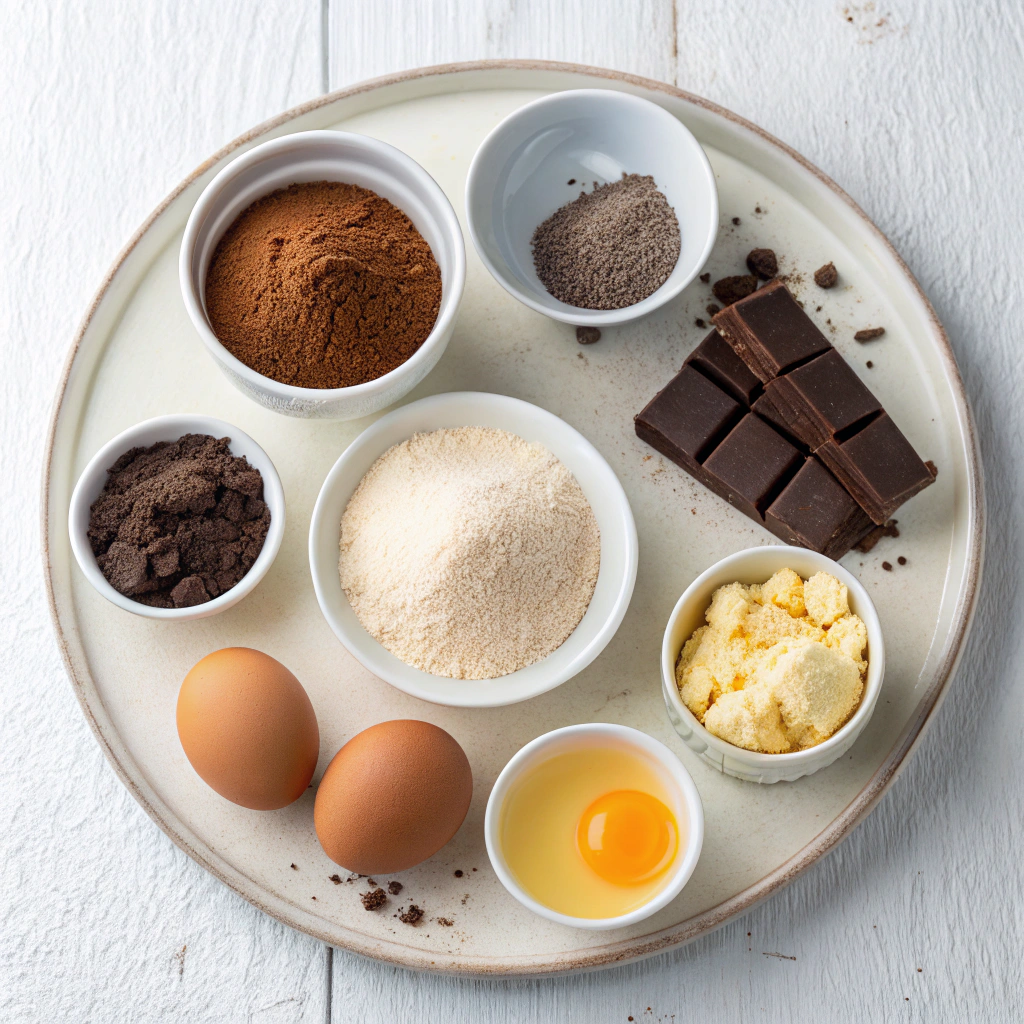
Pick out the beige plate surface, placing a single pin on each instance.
(138, 356)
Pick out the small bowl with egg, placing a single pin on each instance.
(143, 435)
(538, 159)
(594, 826)
(816, 660)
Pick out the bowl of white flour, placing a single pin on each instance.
(473, 550)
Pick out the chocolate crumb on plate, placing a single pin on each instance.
(887, 566)
(294, 868)
(395, 888)
(571, 181)
(869, 334)
(826, 276)
(411, 916)
(731, 289)
(711, 309)
(447, 922)
(901, 560)
(736, 221)
(869, 364)
(372, 883)
(705, 278)
(587, 335)
(336, 879)
(374, 900)
(458, 874)
(868, 542)
(699, 323)
(763, 262)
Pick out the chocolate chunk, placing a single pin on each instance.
(687, 418)
(878, 466)
(374, 899)
(823, 399)
(770, 332)
(752, 465)
(716, 360)
(815, 511)
(869, 334)
(587, 335)
(763, 262)
(731, 289)
(826, 276)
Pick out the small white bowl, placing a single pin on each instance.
(519, 176)
(686, 807)
(756, 565)
(604, 492)
(325, 156)
(142, 435)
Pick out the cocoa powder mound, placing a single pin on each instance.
(179, 523)
(323, 285)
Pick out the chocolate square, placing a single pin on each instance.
(823, 399)
(815, 511)
(878, 466)
(752, 464)
(718, 362)
(770, 332)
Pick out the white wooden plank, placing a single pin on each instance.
(105, 107)
(911, 106)
(370, 38)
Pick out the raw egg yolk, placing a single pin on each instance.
(627, 836)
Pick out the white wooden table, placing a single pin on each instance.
(912, 106)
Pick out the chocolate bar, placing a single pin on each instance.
(711, 434)
(813, 397)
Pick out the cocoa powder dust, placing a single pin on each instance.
(323, 285)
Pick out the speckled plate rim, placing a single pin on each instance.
(472, 75)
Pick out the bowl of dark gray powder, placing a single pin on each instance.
(592, 206)
(473, 550)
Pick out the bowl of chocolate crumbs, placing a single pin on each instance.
(178, 517)
(323, 271)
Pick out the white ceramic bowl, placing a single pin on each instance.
(603, 490)
(325, 156)
(142, 435)
(519, 176)
(676, 779)
(756, 565)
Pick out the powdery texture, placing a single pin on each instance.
(469, 553)
(779, 666)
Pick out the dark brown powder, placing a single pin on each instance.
(609, 248)
(323, 285)
(180, 523)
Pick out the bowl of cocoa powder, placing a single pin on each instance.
(178, 517)
(323, 271)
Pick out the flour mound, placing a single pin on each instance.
(469, 553)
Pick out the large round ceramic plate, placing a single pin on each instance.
(137, 356)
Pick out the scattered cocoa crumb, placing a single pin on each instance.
(757, 209)
(571, 181)
(395, 888)
(817, 309)
(312, 897)
(447, 922)
(711, 309)
(732, 289)
(699, 323)
(705, 278)
(372, 883)
(458, 874)
(294, 868)
(374, 900)
(869, 364)
(887, 566)
(336, 879)
(474, 869)
(869, 334)
(874, 536)
(902, 560)
(763, 262)
(587, 335)
(411, 916)
(736, 221)
(826, 276)
(932, 468)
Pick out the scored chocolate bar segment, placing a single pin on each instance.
(770, 332)
(816, 512)
(714, 358)
(878, 466)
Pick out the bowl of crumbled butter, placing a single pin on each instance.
(772, 663)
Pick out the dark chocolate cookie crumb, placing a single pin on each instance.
(736, 221)
(447, 922)
(374, 900)
(869, 334)
(411, 916)
(571, 181)
(587, 335)
(711, 309)
(293, 867)
(887, 566)
(458, 874)
(705, 278)
(699, 323)
(731, 289)
(826, 276)
(372, 883)
(901, 560)
(869, 364)
(336, 879)
(866, 543)
(395, 888)
(763, 262)
(757, 209)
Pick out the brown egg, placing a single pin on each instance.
(248, 728)
(392, 797)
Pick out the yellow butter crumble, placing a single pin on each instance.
(779, 666)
